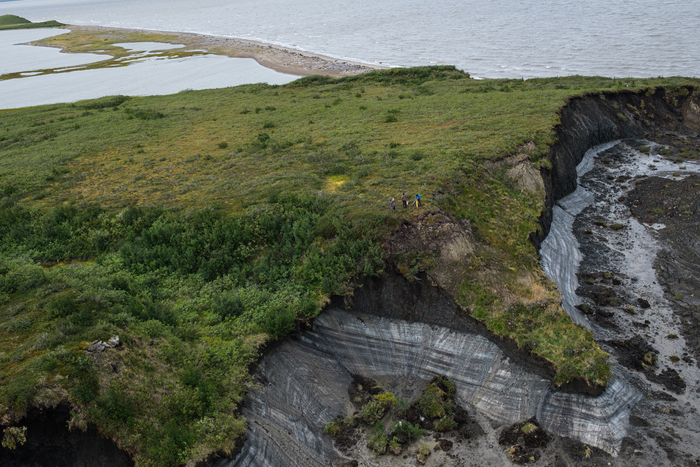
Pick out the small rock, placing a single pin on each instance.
(643, 303)
(97, 346)
(113, 342)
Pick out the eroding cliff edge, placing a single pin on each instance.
(304, 385)
(50, 443)
(592, 120)
(393, 329)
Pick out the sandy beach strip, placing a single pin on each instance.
(281, 59)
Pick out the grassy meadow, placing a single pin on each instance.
(17, 22)
(199, 226)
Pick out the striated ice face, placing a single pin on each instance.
(560, 252)
(305, 382)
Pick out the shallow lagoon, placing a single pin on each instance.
(15, 56)
(149, 76)
(146, 76)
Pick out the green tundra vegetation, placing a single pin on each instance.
(200, 226)
(17, 22)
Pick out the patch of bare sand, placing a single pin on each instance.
(281, 59)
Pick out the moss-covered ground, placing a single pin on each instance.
(200, 225)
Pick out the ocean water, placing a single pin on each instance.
(488, 38)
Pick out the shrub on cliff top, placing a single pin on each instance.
(402, 76)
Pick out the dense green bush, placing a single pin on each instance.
(403, 76)
(432, 403)
(190, 286)
(106, 102)
(446, 423)
(377, 440)
(117, 405)
(410, 431)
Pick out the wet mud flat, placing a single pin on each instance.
(636, 224)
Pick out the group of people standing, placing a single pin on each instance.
(404, 201)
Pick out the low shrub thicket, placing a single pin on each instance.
(192, 295)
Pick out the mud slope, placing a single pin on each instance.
(613, 268)
(624, 249)
(593, 120)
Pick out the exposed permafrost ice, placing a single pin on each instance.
(560, 251)
(305, 384)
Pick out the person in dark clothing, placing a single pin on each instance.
(393, 205)
(403, 200)
(418, 201)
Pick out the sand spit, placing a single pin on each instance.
(281, 59)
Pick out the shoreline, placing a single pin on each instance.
(278, 58)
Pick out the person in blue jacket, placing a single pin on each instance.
(418, 201)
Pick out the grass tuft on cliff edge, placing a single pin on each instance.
(129, 216)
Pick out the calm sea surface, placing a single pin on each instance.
(489, 38)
